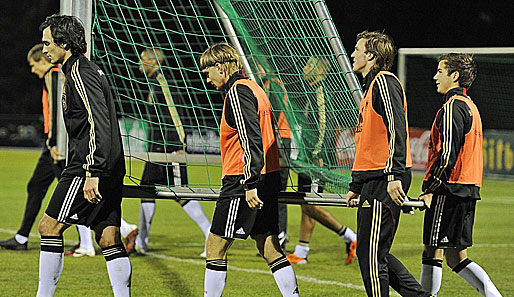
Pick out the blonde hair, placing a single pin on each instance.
(381, 46)
(36, 54)
(224, 54)
(155, 54)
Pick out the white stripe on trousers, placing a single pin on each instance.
(231, 219)
(373, 248)
(436, 221)
(68, 200)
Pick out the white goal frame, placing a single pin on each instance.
(434, 52)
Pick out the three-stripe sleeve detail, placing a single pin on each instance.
(241, 131)
(79, 85)
(447, 134)
(386, 98)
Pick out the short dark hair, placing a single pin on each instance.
(36, 54)
(381, 46)
(66, 30)
(463, 64)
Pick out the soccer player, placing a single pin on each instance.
(381, 173)
(251, 174)
(277, 95)
(89, 190)
(453, 179)
(168, 137)
(50, 163)
(315, 128)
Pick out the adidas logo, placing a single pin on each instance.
(240, 231)
(366, 204)
(74, 217)
(444, 240)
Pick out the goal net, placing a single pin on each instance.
(284, 47)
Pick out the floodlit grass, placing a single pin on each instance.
(174, 269)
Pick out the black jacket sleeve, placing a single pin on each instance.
(453, 122)
(241, 113)
(96, 144)
(51, 85)
(388, 103)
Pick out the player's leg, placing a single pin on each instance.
(432, 269)
(128, 234)
(401, 280)
(192, 208)
(106, 221)
(118, 264)
(264, 232)
(216, 265)
(41, 179)
(283, 273)
(327, 219)
(51, 257)
(85, 246)
(301, 251)
(474, 274)
(146, 213)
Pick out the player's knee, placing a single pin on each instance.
(49, 227)
(309, 210)
(107, 236)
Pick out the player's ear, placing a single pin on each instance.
(455, 76)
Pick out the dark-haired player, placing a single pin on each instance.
(453, 179)
(89, 191)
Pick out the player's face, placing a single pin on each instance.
(444, 81)
(215, 77)
(312, 69)
(360, 57)
(147, 64)
(56, 53)
(40, 67)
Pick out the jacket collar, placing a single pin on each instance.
(66, 67)
(370, 77)
(455, 92)
(233, 78)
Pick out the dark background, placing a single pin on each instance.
(410, 23)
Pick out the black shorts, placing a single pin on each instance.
(162, 174)
(449, 222)
(68, 205)
(233, 218)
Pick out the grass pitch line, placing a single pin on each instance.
(258, 271)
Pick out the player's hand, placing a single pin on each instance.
(352, 199)
(395, 190)
(253, 200)
(426, 198)
(55, 154)
(91, 192)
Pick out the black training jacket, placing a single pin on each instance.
(94, 141)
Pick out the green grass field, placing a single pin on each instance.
(173, 267)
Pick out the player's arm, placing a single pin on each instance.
(175, 116)
(388, 103)
(87, 87)
(51, 85)
(322, 121)
(242, 114)
(453, 122)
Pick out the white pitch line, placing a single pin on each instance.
(258, 271)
